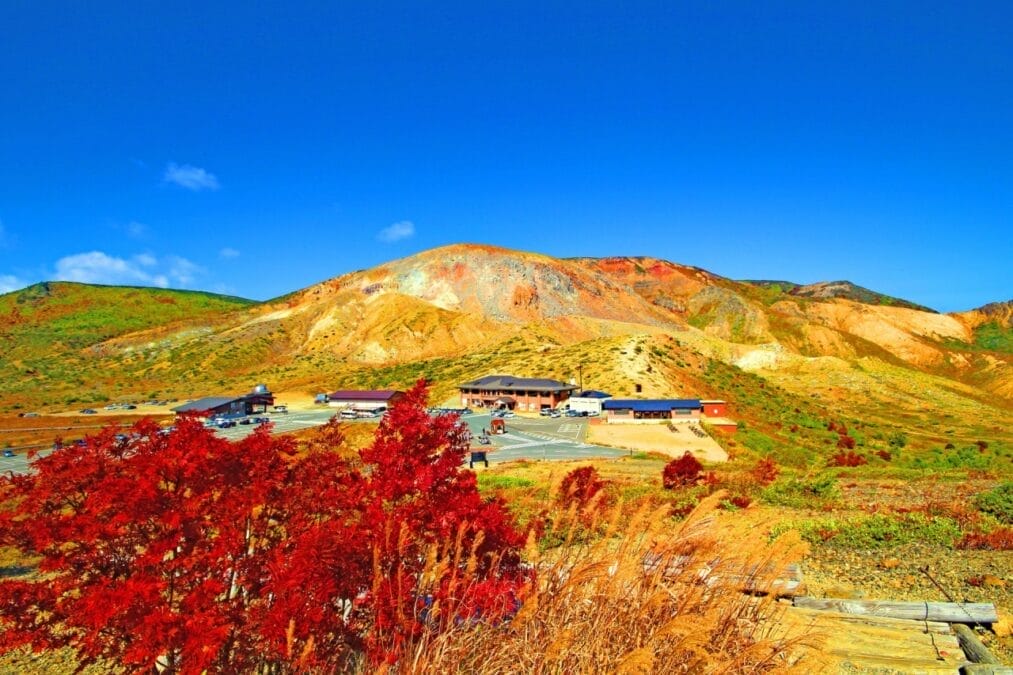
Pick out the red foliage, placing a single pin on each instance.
(766, 471)
(849, 458)
(682, 472)
(846, 442)
(738, 501)
(580, 487)
(884, 455)
(200, 554)
(999, 539)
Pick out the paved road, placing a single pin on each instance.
(526, 438)
(540, 438)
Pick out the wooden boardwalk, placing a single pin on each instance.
(849, 643)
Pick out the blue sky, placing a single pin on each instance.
(262, 147)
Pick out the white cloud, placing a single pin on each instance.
(396, 232)
(10, 283)
(228, 252)
(136, 230)
(96, 267)
(191, 177)
(181, 270)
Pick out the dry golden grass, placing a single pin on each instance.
(639, 596)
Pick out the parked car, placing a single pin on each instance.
(246, 420)
(261, 420)
(572, 413)
(593, 413)
(467, 411)
(555, 413)
(508, 414)
(226, 424)
(545, 412)
(281, 408)
(88, 411)
(8, 453)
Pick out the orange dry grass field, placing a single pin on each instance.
(43, 430)
(596, 607)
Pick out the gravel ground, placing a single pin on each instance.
(898, 574)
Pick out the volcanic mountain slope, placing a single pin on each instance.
(836, 319)
(462, 311)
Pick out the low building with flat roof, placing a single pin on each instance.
(253, 403)
(364, 399)
(588, 401)
(623, 410)
(514, 393)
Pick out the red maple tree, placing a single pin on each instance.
(681, 472)
(192, 553)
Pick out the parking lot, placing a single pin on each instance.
(538, 438)
(544, 438)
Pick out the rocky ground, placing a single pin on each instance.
(904, 573)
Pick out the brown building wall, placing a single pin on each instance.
(715, 409)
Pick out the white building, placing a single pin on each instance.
(589, 401)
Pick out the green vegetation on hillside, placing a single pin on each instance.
(71, 315)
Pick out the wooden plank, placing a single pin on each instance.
(857, 621)
(986, 669)
(951, 612)
(749, 578)
(972, 646)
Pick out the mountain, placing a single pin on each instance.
(466, 310)
(839, 289)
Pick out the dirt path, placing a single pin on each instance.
(657, 438)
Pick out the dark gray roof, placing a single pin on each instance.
(652, 405)
(208, 403)
(363, 395)
(592, 393)
(511, 383)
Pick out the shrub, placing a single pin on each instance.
(795, 493)
(682, 472)
(997, 502)
(766, 471)
(846, 442)
(898, 440)
(876, 531)
(191, 553)
(579, 487)
(884, 455)
(999, 539)
(850, 458)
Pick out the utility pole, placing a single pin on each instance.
(580, 370)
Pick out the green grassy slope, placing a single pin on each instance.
(50, 315)
(45, 329)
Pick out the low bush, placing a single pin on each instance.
(997, 502)
(877, 531)
(849, 458)
(999, 539)
(797, 493)
(682, 472)
(766, 471)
